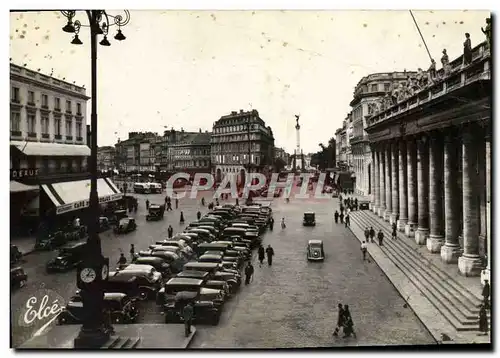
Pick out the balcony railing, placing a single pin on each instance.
(15, 100)
(44, 106)
(458, 76)
(68, 111)
(79, 139)
(58, 136)
(15, 133)
(45, 135)
(32, 135)
(57, 109)
(68, 137)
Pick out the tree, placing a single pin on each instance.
(279, 164)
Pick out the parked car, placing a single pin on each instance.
(125, 225)
(175, 261)
(68, 257)
(18, 277)
(122, 309)
(200, 275)
(50, 241)
(175, 285)
(155, 212)
(180, 243)
(219, 285)
(15, 254)
(232, 280)
(315, 251)
(157, 262)
(218, 259)
(204, 310)
(149, 280)
(129, 285)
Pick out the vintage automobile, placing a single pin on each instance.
(155, 212)
(309, 219)
(200, 275)
(157, 262)
(125, 225)
(220, 260)
(50, 241)
(175, 261)
(175, 285)
(104, 224)
(219, 285)
(215, 232)
(315, 250)
(232, 280)
(120, 307)
(124, 284)
(236, 261)
(15, 254)
(18, 277)
(203, 234)
(117, 216)
(69, 256)
(149, 280)
(363, 204)
(180, 243)
(184, 256)
(213, 246)
(204, 309)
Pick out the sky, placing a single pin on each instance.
(186, 69)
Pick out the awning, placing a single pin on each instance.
(54, 149)
(16, 187)
(74, 195)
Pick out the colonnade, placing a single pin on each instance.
(433, 186)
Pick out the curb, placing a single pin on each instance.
(190, 338)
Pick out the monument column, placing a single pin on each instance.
(394, 182)
(411, 154)
(451, 250)
(388, 194)
(436, 214)
(381, 208)
(402, 186)
(423, 190)
(470, 263)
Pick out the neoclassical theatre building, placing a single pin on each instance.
(431, 155)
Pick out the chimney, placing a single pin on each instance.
(241, 111)
(182, 130)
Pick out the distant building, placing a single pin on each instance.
(241, 142)
(106, 158)
(138, 153)
(282, 154)
(190, 152)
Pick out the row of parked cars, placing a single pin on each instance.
(201, 265)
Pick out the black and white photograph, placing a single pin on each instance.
(212, 178)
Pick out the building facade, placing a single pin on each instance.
(433, 164)
(190, 152)
(241, 142)
(280, 153)
(106, 158)
(368, 94)
(139, 152)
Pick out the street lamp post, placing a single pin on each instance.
(94, 270)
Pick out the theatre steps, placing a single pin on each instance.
(118, 342)
(455, 302)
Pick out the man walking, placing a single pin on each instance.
(347, 220)
(394, 231)
(122, 260)
(341, 217)
(198, 215)
(367, 234)
(187, 314)
(340, 320)
(380, 237)
(363, 250)
(147, 204)
(249, 270)
(170, 231)
(372, 234)
(270, 254)
(336, 215)
(262, 255)
(132, 252)
(486, 294)
(271, 224)
(176, 203)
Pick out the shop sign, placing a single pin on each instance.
(85, 203)
(23, 173)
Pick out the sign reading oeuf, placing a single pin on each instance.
(85, 203)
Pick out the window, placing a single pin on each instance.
(45, 100)
(31, 97)
(68, 128)
(45, 125)
(31, 123)
(14, 95)
(78, 108)
(79, 130)
(15, 121)
(57, 126)
(57, 103)
(374, 88)
(387, 87)
(68, 106)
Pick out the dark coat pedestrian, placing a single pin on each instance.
(237, 202)
(166, 199)
(394, 231)
(122, 260)
(341, 209)
(182, 218)
(169, 206)
(486, 294)
(483, 320)
(348, 323)
(202, 201)
(270, 254)
(380, 238)
(249, 270)
(347, 220)
(340, 320)
(363, 250)
(187, 314)
(356, 203)
(170, 231)
(271, 224)
(176, 203)
(336, 215)
(367, 234)
(132, 252)
(372, 234)
(147, 204)
(341, 217)
(262, 254)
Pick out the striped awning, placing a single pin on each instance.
(16, 187)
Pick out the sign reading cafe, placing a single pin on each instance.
(85, 203)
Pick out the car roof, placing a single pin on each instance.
(315, 241)
(210, 256)
(192, 274)
(184, 281)
(138, 267)
(202, 264)
(73, 244)
(309, 213)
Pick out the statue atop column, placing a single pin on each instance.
(297, 117)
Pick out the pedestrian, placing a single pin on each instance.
(217, 201)
(271, 223)
(132, 252)
(483, 321)
(170, 231)
(136, 205)
(341, 209)
(372, 234)
(237, 202)
(202, 201)
(367, 234)
(147, 204)
(336, 215)
(356, 204)
(341, 217)
(380, 238)
(248, 273)
(270, 254)
(283, 225)
(340, 320)
(486, 294)
(169, 205)
(182, 218)
(394, 231)
(348, 323)
(176, 203)
(363, 250)
(187, 314)
(122, 260)
(198, 215)
(467, 49)
(261, 254)
(347, 220)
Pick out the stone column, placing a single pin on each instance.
(481, 171)
(451, 250)
(381, 208)
(470, 263)
(411, 153)
(394, 183)
(375, 180)
(436, 214)
(388, 194)
(402, 186)
(423, 190)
